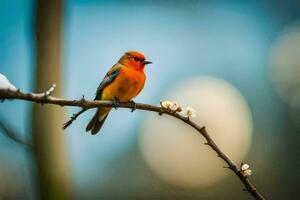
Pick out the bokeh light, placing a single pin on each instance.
(176, 153)
(285, 65)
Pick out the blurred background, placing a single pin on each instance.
(236, 62)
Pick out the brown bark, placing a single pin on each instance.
(48, 138)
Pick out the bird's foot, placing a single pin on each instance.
(133, 105)
(116, 103)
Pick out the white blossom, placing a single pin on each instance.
(5, 84)
(246, 171)
(189, 112)
(170, 105)
(166, 104)
(174, 106)
(245, 167)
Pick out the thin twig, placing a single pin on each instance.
(9, 132)
(73, 118)
(85, 105)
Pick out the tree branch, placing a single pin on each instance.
(45, 98)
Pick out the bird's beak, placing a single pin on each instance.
(146, 62)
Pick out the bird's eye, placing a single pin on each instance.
(136, 58)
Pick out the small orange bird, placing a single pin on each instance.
(123, 82)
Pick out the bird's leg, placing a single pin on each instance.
(133, 105)
(116, 103)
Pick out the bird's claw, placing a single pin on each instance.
(133, 105)
(116, 103)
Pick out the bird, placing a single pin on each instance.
(123, 82)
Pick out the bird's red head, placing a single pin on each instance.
(134, 59)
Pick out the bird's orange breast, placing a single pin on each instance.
(126, 85)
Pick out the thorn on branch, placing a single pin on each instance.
(133, 106)
(160, 113)
(116, 103)
(18, 91)
(82, 98)
(83, 101)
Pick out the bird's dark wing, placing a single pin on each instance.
(109, 77)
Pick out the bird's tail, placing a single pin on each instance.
(97, 121)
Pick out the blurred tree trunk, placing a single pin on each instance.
(48, 137)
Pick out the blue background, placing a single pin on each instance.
(225, 39)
